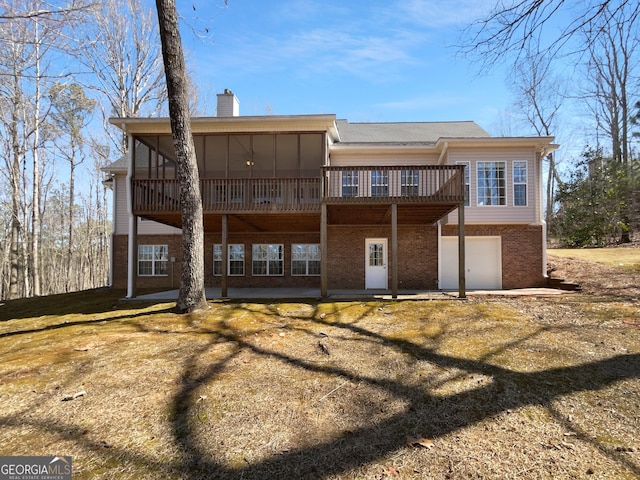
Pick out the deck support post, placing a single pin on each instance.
(462, 287)
(132, 240)
(225, 253)
(323, 251)
(394, 250)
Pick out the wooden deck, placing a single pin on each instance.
(380, 185)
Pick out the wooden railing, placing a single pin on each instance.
(231, 195)
(338, 185)
(261, 194)
(401, 184)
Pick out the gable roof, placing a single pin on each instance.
(426, 133)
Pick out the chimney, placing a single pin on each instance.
(228, 105)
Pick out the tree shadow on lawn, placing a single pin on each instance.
(85, 302)
(432, 416)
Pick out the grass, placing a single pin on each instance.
(493, 387)
(627, 258)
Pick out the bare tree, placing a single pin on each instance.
(192, 293)
(539, 97)
(511, 26)
(28, 12)
(613, 78)
(119, 44)
(16, 56)
(71, 111)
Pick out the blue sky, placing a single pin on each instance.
(361, 60)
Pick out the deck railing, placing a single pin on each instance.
(231, 195)
(402, 184)
(338, 185)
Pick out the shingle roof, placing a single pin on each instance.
(407, 132)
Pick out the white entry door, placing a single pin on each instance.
(376, 263)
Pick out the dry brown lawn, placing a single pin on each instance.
(488, 387)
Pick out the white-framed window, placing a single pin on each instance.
(520, 183)
(235, 259)
(409, 183)
(492, 184)
(379, 183)
(350, 183)
(153, 260)
(267, 259)
(467, 182)
(305, 259)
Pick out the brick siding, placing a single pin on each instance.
(522, 251)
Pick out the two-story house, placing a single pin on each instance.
(317, 202)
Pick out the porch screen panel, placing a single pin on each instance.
(311, 154)
(142, 160)
(287, 155)
(240, 156)
(263, 158)
(216, 156)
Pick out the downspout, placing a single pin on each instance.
(443, 153)
(131, 240)
(113, 227)
(539, 211)
(439, 280)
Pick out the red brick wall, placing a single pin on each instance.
(246, 281)
(120, 261)
(522, 251)
(417, 256)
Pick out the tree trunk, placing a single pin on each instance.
(192, 293)
(37, 181)
(14, 178)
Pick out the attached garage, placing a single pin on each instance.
(483, 259)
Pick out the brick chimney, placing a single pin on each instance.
(228, 105)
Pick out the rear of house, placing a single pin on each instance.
(317, 202)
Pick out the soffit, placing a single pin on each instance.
(241, 124)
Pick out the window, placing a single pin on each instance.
(410, 183)
(520, 183)
(467, 182)
(152, 260)
(305, 259)
(376, 255)
(379, 183)
(268, 259)
(350, 183)
(491, 183)
(235, 259)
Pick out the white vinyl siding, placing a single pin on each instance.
(504, 214)
(121, 216)
(467, 182)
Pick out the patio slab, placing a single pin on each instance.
(314, 293)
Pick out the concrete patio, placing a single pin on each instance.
(314, 293)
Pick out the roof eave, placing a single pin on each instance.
(162, 125)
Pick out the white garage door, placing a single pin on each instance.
(483, 259)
